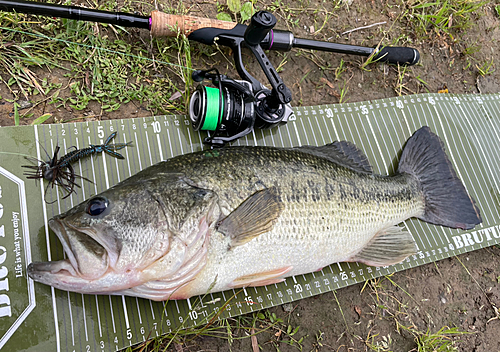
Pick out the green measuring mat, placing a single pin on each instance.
(36, 317)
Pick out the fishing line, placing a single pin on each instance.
(18, 154)
(95, 47)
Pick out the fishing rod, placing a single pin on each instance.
(232, 108)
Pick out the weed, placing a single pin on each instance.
(371, 59)
(421, 81)
(487, 68)
(442, 17)
(364, 65)
(343, 92)
(400, 86)
(248, 326)
(471, 50)
(340, 69)
(319, 338)
(341, 311)
(492, 304)
(440, 341)
(325, 22)
(104, 73)
(41, 119)
(283, 62)
(434, 342)
(383, 345)
(240, 12)
(388, 277)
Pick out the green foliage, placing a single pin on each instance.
(223, 16)
(234, 5)
(243, 11)
(442, 16)
(246, 11)
(343, 92)
(340, 69)
(441, 341)
(382, 344)
(487, 68)
(16, 114)
(41, 119)
(104, 70)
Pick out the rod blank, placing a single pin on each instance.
(76, 13)
(204, 30)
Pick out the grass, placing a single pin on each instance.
(401, 86)
(340, 69)
(280, 335)
(103, 69)
(241, 12)
(440, 341)
(343, 92)
(442, 17)
(365, 65)
(379, 344)
(271, 329)
(383, 291)
(486, 68)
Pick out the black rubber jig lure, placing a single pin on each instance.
(60, 172)
(51, 171)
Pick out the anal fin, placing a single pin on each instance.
(261, 279)
(390, 246)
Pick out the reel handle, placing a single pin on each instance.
(260, 31)
(205, 30)
(260, 25)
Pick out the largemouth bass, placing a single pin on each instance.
(251, 216)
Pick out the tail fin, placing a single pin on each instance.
(446, 200)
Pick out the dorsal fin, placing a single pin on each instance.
(342, 152)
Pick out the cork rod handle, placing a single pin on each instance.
(166, 25)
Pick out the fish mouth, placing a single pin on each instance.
(86, 260)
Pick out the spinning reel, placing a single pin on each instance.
(235, 107)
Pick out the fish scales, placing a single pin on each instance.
(251, 216)
(239, 172)
(327, 207)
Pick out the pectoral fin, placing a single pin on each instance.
(261, 279)
(390, 246)
(255, 216)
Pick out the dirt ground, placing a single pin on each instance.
(426, 298)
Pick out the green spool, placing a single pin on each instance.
(213, 112)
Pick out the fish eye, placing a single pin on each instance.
(96, 206)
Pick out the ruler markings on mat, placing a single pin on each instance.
(468, 125)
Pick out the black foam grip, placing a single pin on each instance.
(398, 55)
(207, 35)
